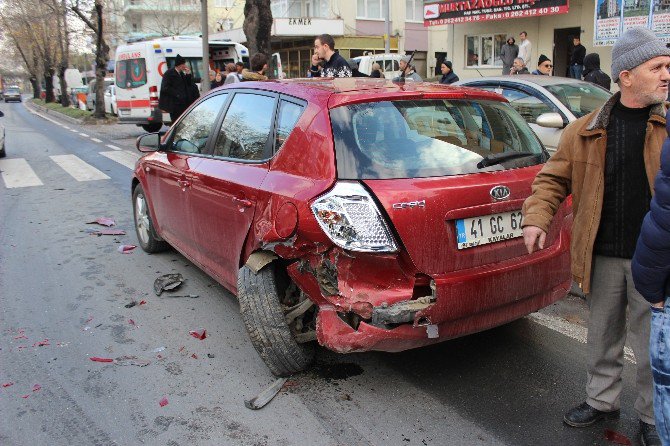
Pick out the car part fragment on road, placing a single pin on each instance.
(617, 438)
(103, 221)
(158, 349)
(99, 232)
(97, 359)
(167, 282)
(198, 334)
(7, 384)
(263, 398)
(191, 296)
(37, 388)
(130, 304)
(126, 249)
(163, 402)
(131, 360)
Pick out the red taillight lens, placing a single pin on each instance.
(153, 96)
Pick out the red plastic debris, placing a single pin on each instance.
(103, 221)
(36, 387)
(198, 334)
(163, 402)
(132, 322)
(181, 348)
(194, 356)
(7, 384)
(90, 318)
(142, 302)
(25, 396)
(126, 249)
(41, 343)
(617, 437)
(96, 359)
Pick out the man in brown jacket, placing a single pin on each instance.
(608, 160)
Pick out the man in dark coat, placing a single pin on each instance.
(334, 64)
(178, 90)
(508, 53)
(448, 75)
(593, 73)
(577, 58)
(651, 274)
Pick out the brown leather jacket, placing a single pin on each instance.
(578, 168)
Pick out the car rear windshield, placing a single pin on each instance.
(428, 138)
(13, 90)
(131, 73)
(580, 97)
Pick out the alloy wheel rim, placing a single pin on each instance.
(142, 219)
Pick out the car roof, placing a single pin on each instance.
(528, 79)
(341, 91)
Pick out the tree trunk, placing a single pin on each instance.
(64, 95)
(258, 26)
(101, 52)
(37, 89)
(65, 55)
(49, 72)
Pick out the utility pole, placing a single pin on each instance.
(204, 81)
(387, 28)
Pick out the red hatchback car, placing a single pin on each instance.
(363, 214)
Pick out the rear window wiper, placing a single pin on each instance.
(498, 158)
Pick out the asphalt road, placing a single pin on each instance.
(68, 289)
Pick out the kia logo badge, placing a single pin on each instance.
(499, 193)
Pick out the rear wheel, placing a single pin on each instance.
(152, 128)
(146, 233)
(277, 316)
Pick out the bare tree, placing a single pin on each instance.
(95, 24)
(258, 26)
(60, 11)
(172, 17)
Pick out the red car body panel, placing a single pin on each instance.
(241, 209)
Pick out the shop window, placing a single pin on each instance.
(414, 10)
(484, 51)
(369, 9)
(223, 3)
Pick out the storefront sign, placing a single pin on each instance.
(307, 26)
(467, 11)
(614, 17)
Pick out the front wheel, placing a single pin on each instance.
(261, 297)
(144, 227)
(152, 128)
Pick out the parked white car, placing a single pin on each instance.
(110, 100)
(90, 96)
(547, 103)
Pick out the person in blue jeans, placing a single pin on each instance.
(651, 273)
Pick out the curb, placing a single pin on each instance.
(70, 119)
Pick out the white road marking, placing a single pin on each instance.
(123, 157)
(574, 331)
(66, 127)
(80, 170)
(74, 130)
(113, 147)
(96, 140)
(16, 172)
(83, 134)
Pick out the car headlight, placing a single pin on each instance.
(351, 219)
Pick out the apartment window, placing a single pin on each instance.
(484, 51)
(369, 9)
(285, 8)
(414, 10)
(224, 3)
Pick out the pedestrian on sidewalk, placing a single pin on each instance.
(407, 71)
(577, 58)
(178, 91)
(259, 66)
(592, 72)
(233, 73)
(544, 66)
(448, 75)
(607, 160)
(525, 48)
(334, 65)
(518, 67)
(651, 273)
(508, 53)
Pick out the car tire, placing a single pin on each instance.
(152, 128)
(144, 227)
(259, 296)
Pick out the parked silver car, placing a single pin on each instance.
(547, 103)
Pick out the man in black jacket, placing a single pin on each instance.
(178, 90)
(593, 73)
(334, 64)
(577, 58)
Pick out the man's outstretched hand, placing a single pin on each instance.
(533, 237)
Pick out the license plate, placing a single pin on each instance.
(124, 112)
(487, 229)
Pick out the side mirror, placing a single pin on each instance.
(550, 120)
(149, 142)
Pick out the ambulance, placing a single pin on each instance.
(140, 67)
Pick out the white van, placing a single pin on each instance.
(389, 63)
(73, 79)
(140, 67)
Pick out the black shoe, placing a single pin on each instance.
(648, 435)
(585, 415)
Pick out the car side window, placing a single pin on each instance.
(289, 113)
(246, 128)
(527, 105)
(193, 130)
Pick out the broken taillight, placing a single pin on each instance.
(351, 219)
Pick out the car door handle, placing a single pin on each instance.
(183, 183)
(243, 202)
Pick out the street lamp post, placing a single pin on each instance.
(204, 79)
